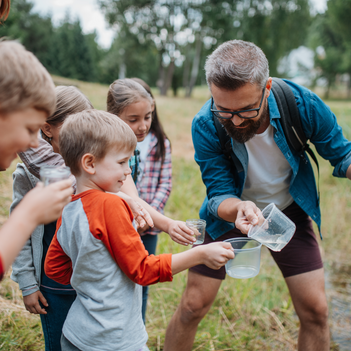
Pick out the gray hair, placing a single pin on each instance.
(236, 63)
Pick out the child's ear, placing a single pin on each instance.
(46, 129)
(88, 163)
(153, 105)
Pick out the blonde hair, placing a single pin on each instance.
(124, 92)
(69, 100)
(94, 132)
(24, 82)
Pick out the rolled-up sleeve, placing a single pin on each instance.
(214, 165)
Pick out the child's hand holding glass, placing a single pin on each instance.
(180, 233)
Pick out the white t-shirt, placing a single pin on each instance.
(269, 173)
(143, 147)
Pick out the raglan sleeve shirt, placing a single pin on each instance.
(110, 220)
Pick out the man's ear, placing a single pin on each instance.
(269, 86)
(87, 163)
(46, 129)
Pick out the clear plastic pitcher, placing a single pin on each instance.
(275, 231)
(246, 263)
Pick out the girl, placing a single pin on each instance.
(41, 295)
(132, 101)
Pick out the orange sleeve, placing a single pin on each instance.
(114, 227)
(58, 266)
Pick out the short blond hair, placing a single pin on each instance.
(94, 132)
(24, 82)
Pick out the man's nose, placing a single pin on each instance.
(236, 120)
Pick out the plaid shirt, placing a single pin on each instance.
(156, 182)
(34, 158)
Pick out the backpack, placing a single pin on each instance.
(290, 121)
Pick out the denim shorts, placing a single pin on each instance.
(301, 255)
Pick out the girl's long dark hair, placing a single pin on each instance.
(156, 125)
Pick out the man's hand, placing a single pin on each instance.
(248, 214)
(31, 302)
(180, 233)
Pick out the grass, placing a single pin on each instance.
(252, 314)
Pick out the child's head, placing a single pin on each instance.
(27, 98)
(156, 125)
(97, 145)
(133, 104)
(69, 100)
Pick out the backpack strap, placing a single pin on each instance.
(291, 122)
(226, 145)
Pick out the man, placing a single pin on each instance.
(238, 77)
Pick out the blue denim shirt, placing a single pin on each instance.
(321, 128)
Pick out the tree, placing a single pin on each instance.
(330, 34)
(185, 31)
(34, 32)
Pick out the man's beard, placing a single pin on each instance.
(245, 134)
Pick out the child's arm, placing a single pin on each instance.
(125, 246)
(58, 266)
(40, 205)
(177, 230)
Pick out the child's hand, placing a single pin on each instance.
(180, 233)
(31, 302)
(143, 229)
(216, 255)
(45, 204)
(141, 216)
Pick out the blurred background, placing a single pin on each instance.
(166, 42)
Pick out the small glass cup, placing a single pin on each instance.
(275, 231)
(199, 227)
(52, 174)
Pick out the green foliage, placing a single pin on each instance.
(185, 32)
(331, 32)
(64, 50)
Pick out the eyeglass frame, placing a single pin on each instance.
(233, 113)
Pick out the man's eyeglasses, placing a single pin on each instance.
(246, 114)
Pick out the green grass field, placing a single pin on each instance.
(252, 314)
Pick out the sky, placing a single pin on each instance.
(86, 10)
(91, 17)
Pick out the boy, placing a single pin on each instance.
(27, 98)
(96, 247)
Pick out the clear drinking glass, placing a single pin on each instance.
(275, 231)
(52, 174)
(199, 227)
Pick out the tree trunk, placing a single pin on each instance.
(349, 87)
(186, 71)
(195, 68)
(168, 81)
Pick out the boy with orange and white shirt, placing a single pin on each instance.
(96, 247)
